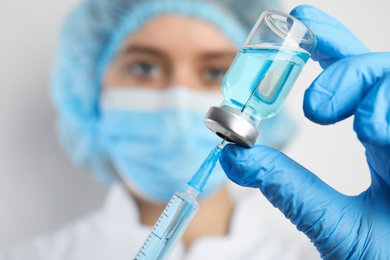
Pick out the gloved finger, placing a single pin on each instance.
(372, 126)
(372, 117)
(299, 194)
(334, 40)
(339, 89)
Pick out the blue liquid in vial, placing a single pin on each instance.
(259, 80)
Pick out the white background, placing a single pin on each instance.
(40, 190)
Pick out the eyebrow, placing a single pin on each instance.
(153, 51)
(143, 49)
(218, 55)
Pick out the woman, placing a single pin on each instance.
(132, 83)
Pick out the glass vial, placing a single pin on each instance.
(261, 76)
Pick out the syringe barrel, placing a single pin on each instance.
(170, 227)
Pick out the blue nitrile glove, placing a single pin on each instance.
(354, 82)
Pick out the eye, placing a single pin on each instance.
(214, 74)
(145, 69)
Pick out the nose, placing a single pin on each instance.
(185, 76)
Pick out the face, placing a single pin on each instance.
(172, 51)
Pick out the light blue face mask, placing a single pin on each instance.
(157, 140)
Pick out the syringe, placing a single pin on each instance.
(178, 214)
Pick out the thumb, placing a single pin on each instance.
(299, 194)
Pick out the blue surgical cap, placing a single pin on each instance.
(90, 37)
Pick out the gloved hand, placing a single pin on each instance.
(354, 82)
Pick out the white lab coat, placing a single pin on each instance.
(257, 231)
